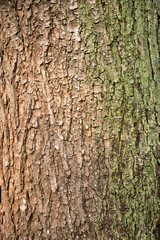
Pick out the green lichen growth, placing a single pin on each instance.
(121, 54)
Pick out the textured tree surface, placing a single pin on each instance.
(79, 117)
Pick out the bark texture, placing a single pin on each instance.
(79, 118)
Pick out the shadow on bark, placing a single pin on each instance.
(157, 232)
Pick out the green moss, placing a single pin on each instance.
(126, 65)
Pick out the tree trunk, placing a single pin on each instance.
(80, 143)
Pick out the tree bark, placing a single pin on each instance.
(79, 119)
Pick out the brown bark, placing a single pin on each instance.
(47, 111)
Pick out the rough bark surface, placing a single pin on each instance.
(79, 117)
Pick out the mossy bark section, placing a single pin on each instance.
(122, 56)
